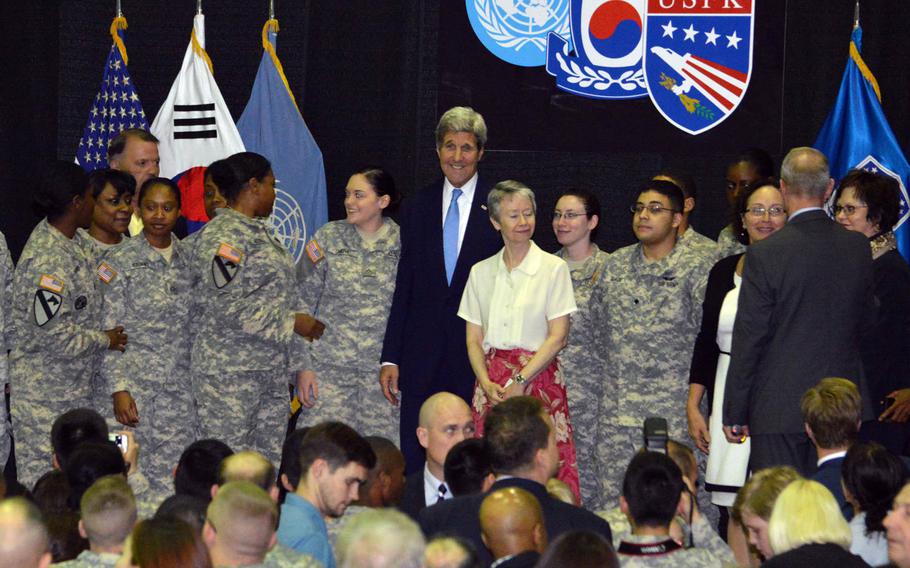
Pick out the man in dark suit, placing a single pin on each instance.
(804, 300)
(832, 413)
(521, 441)
(444, 421)
(445, 230)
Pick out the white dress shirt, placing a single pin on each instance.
(431, 487)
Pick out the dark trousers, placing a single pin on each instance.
(795, 450)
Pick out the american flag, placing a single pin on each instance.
(116, 106)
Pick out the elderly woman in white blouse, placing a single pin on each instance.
(517, 305)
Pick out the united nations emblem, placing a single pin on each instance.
(289, 223)
(608, 39)
(516, 30)
(698, 59)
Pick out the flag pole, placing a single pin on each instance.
(119, 10)
(271, 9)
(199, 7)
(856, 15)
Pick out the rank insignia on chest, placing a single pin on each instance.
(46, 305)
(50, 282)
(314, 251)
(106, 273)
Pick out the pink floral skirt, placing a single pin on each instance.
(548, 387)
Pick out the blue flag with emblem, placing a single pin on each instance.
(271, 125)
(116, 106)
(856, 135)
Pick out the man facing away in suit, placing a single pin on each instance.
(511, 525)
(832, 413)
(805, 298)
(445, 420)
(521, 440)
(445, 230)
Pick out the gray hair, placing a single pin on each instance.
(380, 538)
(504, 188)
(462, 119)
(805, 172)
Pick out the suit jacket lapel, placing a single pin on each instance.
(478, 220)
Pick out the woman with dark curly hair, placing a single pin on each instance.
(870, 204)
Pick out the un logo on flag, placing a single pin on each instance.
(289, 223)
(516, 30)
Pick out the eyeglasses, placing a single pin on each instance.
(848, 209)
(568, 215)
(760, 210)
(653, 208)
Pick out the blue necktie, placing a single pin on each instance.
(450, 235)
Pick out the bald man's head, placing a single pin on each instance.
(511, 522)
(445, 419)
(240, 523)
(247, 466)
(23, 536)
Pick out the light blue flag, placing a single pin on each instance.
(271, 125)
(856, 135)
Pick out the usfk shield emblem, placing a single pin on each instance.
(608, 40)
(698, 59)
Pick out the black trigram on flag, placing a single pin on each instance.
(196, 115)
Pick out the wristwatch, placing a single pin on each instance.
(520, 379)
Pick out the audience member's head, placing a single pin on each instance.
(385, 482)
(23, 537)
(832, 412)
(51, 493)
(444, 420)
(88, 463)
(684, 458)
(187, 508)
(108, 510)
(248, 466)
(289, 468)
(897, 527)
(872, 478)
(750, 165)
(804, 174)
(467, 468)
(806, 513)
(65, 542)
(240, 524)
(511, 522)
(651, 490)
(579, 549)
(165, 543)
(73, 428)
(521, 439)
(755, 501)
(197, 469)
(380, 538)
(334, 462)
(445, 551)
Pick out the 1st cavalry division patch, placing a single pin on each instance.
(225, 265)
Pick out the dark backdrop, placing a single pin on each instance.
(366, 75)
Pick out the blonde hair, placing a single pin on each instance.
(805, 513)
(761, 490)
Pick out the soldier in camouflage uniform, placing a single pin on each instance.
(56, 319)
(348, 278)
(6, 290)
(247, 313)
(654, 293)
(750, 166)
(151, 296)
(583, 359)
(113, 190)
(107, 515)
(686, 235)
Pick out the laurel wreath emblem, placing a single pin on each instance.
(501, 35)
(598, 79)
